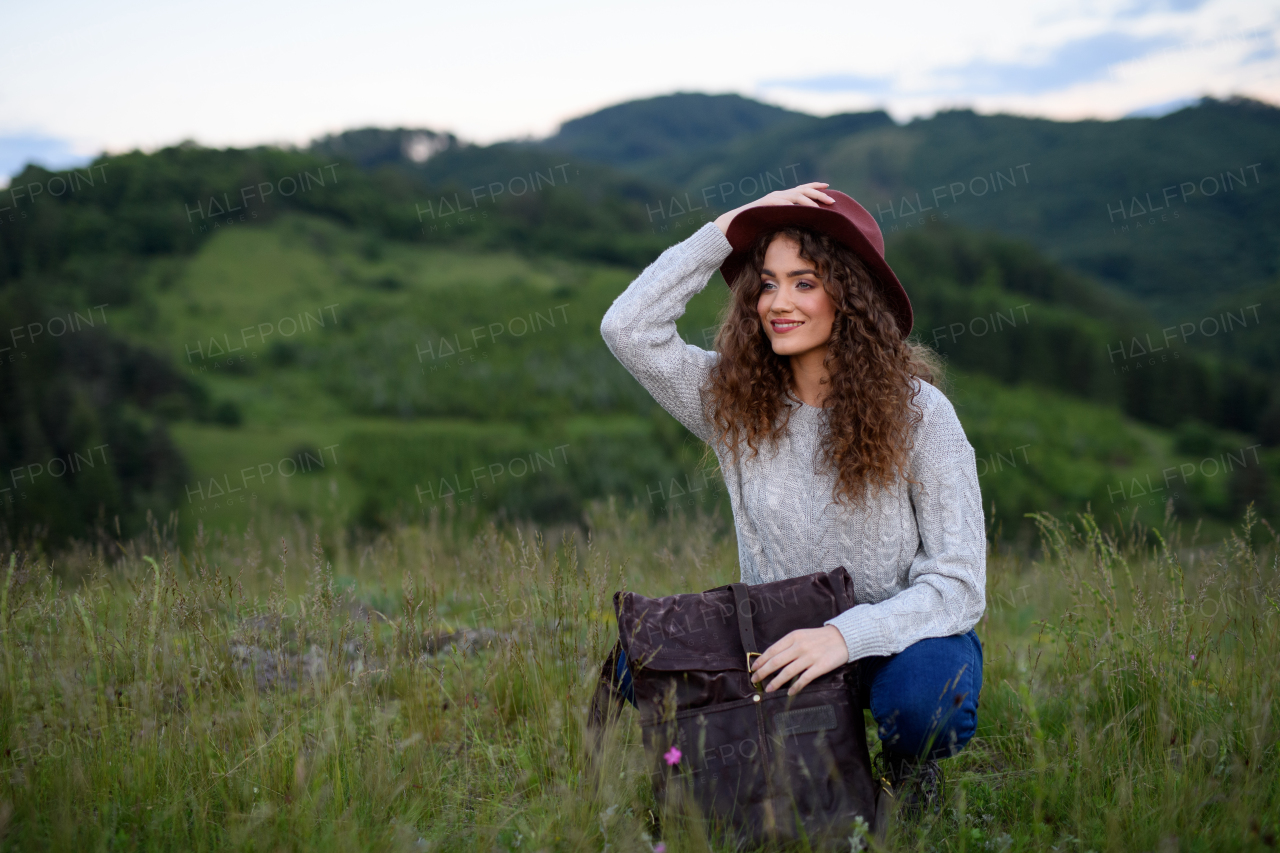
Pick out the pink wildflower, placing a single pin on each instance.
(672, 756)
(1193, 655)
(659, 848)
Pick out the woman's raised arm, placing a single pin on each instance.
(640, 327)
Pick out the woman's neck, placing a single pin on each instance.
(809, 377)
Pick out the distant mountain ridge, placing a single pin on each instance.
(1151, 206)
(636, 132)
(371, 147)
(1177, 211)
(1174, 212)
(401, 220)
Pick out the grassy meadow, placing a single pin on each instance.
(290, 687)
(436, 362)
(343, 579)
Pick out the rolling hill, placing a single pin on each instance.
(396, 323)
(1175, 210)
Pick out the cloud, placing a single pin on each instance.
(1262, 54)
(835, 83)
(1155, 7)
(1080, 61)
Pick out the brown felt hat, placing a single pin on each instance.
(846, 221)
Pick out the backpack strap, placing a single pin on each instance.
(746, 628)
(606, 705)
(855, 673)
(607, 699)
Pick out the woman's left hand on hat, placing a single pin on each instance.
(806, 195)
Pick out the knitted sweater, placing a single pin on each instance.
(916, 553)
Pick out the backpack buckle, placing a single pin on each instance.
(759, 685)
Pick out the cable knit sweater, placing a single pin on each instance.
(916, 553)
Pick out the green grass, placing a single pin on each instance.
(274, 690)
(397, 419)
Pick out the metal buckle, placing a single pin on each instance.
(758, 685)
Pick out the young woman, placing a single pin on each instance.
(837, 450)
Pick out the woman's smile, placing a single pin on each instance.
(794, 307)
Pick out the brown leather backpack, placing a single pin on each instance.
(760, 767)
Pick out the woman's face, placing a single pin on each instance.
(795, 309)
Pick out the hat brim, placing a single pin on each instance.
(748, 225)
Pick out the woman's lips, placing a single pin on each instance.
(781, 327)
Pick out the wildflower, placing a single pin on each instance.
(672, 756)
(659, 848)
(1193, 655)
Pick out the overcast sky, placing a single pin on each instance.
(83, 77)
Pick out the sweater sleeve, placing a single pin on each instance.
(946, 591)
(640, 327)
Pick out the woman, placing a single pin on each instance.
(836, 450)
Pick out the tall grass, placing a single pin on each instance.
(290, 688)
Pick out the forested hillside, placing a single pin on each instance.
(1178, 210)
(396, 323)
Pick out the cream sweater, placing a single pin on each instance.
(917, 554)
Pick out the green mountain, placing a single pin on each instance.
(1173, 210)
(676, 125)
(997, 306)
(409, 401)
(372, 147)
(394, 323)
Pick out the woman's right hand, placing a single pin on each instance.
(810, 195)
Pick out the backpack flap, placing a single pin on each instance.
(694, 631)
(700, 631)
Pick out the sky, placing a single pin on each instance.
(82, 78)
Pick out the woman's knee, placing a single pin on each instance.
(925, 700)
(932, 730)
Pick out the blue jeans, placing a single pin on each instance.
(924, 699)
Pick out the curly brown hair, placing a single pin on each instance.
(870, 403)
